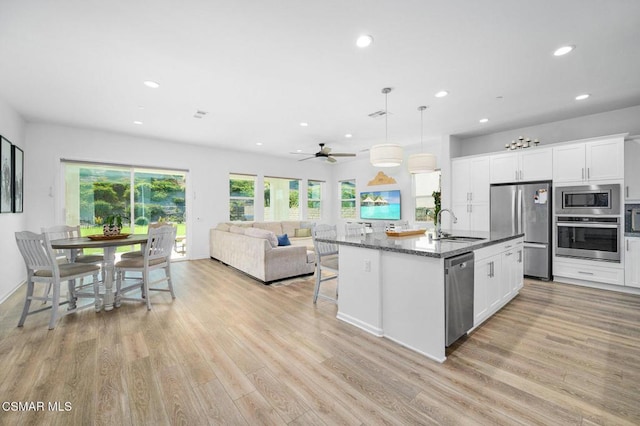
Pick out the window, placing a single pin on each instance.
(94, 191)
(425, 185)
(241, 197)
(281, 199)
(314, 199)
(348, 199)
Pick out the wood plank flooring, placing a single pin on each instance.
(232, 351)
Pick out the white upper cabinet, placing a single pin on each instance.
(586, 162)
(632, 170)
(525, 165)
(470, 193)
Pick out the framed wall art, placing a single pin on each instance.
(6, 177)
(18, 175)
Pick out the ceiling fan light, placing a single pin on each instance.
(386, 155)
(421, 163)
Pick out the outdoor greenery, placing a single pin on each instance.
(105, 193)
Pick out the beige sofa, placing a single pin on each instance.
(252, 248)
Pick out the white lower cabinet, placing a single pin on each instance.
(498, 276)
(632, 262)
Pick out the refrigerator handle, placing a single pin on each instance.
(513, 211)
(520, 225)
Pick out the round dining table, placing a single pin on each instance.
(109, 245)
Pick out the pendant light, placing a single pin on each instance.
(422, 162)
(386, 154)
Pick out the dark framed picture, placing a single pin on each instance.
(6, 177)
(18, 176)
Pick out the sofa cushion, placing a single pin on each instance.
(302, 232)
(283, 240)
(236, 229)
(274, 227)
(262, 233)
(223, 227)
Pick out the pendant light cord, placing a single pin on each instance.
(386, 118)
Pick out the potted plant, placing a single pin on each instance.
(112, 225)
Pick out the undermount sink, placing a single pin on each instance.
(460, 238)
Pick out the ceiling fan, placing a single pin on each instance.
(325, 152)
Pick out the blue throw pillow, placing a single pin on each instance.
(283, 240)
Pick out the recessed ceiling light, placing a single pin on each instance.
(298, 150)
(348, 135)
(582, 97)
(259, 143)
(563, 50)
(484, 120)
(303, 124)
(151, 84)
(442, 94)
(137, 122)
(364, 41)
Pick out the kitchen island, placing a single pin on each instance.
(395, 286)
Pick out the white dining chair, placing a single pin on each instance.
(65, 256)
(137, 253)
(355, 229)
(156, 255)
(326, 258)
(43, 267)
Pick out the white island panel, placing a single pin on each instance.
(413, 310)
(359, 300)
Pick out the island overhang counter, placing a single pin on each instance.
(393, 287)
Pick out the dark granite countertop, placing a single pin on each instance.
(425, 245)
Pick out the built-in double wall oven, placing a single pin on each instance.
(588, 223)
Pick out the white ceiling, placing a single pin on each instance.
(261, 67)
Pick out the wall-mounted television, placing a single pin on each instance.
(380, 205)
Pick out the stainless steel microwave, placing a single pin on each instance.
(588, 199)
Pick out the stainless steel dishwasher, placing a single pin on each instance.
(458, 296)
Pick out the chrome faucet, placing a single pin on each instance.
(439, 219)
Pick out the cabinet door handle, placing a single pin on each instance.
(626, 189)
(585, 273)
(516, 175)
(491, 269)
(588, 172)
(583, 173)
(521, 175)
(508, 254)
(519, 256)
(627, 244)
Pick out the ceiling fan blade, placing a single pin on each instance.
(325, 150)
(330, 159)
(308, 158)
(343, 154)
(302, 153)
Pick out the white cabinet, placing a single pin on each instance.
(632, 262)
(486, 296)
(525, 165)
(498, 275)
(632, 170)
(585, 162)
(470, 193)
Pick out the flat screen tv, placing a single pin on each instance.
(380, 205)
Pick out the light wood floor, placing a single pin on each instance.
(229, 350)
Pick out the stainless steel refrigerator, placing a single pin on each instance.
(526, 208)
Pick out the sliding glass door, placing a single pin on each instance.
(95, 191)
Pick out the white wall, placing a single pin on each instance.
(13, 270)
(626, 120)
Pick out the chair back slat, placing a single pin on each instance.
(60, 232)
(36, 251)
(160, 242)
(324, 231)
(354, 229)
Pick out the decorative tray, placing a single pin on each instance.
(405, 233)
(100, 237)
